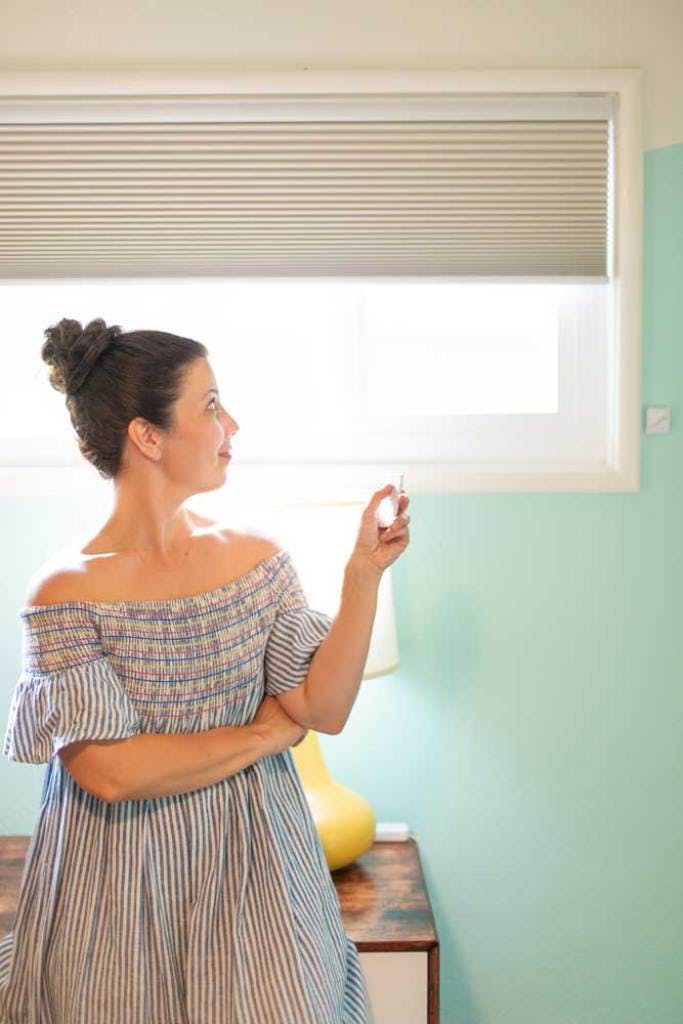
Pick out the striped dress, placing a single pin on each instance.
(214, 906)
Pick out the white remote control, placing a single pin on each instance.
(388, 507)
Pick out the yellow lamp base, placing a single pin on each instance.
(345, 820)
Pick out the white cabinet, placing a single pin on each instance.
(397, 983)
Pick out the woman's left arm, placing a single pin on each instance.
(336, 669)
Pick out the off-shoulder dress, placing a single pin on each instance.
(214, 906)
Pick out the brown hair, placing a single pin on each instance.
(110, 376)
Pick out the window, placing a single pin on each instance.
(500, 354)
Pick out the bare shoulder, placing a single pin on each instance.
(253, 544)
(50, 585)
(248, 539)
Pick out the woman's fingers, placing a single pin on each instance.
(399, 524)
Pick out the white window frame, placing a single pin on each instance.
(620, 472)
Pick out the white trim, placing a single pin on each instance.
(82, 110)
(628, 281)
(150, 82)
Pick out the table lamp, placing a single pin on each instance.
(344, 819)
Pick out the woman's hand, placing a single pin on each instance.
(378, 546)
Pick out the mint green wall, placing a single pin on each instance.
(533, 736)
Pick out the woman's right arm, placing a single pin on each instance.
(164, 764)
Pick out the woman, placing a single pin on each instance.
(175, 873)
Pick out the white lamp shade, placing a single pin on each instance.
(383, 654)
(320, 538)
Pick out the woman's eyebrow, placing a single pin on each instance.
(209, 392)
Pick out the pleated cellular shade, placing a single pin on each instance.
(385, 189)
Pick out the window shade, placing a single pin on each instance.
(301, 186)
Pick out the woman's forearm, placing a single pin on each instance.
(165, 764)
(336, 668)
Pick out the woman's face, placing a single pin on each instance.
(203, 428)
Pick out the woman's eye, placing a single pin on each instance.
(212, 400)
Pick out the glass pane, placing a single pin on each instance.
(335, 372)
(461, 349)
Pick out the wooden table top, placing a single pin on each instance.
(382, 895)
(384, 900)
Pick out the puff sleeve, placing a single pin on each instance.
(67, 690)
(296, 634)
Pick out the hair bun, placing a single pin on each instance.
(71, 351)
